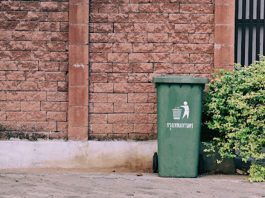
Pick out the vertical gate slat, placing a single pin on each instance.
(243, 45)
(263, 10)
(250, 33)
(250, 30)
(236, 33)
(258, 31)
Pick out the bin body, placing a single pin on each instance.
(179, 107)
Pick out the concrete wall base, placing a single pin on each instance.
(91, 155)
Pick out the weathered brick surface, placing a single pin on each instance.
(130, 42)
(33, 66)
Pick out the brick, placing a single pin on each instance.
(117, 118)
(137, 37)
(118, 18)
(8, 65)
(199, 38)
(101, 47)
(101, 128)
(34, 61)
(103, 27)
(61, 86)
(163, 68)
(123, 128)
(58, 16)
(117, 98)
(15, 75)
(108, 37)
(47, 86)
(180, 58)
(117, 77)
(53, 106)
(151, 98)
(30, 106)
(30, 126)
(129, 8)
(143, 47)
(49, 26)
(123, 107)
(98, 118)
(2, 116)
(145, 108)
(170, 7)
(183, 68)
(142, 67)
(201, 58)
(10, 106)
(57, 96)
(55, 76)
(137, 97)
(49, 6)
(179, 38)
(180, 18)
(157, 37)
(108, 8)
(26, 116)
(98, 57)
(99, 77)
(62, 127)
(137, 118)
(121, 87)
(149, 8)
(204, 28)
(197, 8)
(143, 88)
(27, 96)
(185, 28)
(122, 47)
(101, 67)
(103, 108)
(138, 77)
(139, 57)
(144, 128)
(122, 67)
(56, 116)
(103, 87)
(118, 57)
(98, 97)
(194, 48)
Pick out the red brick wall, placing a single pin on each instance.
(130, 42)
(33, 66)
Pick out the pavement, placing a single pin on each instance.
(75, 184)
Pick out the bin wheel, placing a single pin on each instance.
(155, 163)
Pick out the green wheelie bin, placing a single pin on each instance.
(179, 108)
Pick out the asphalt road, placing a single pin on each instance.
(101, 185)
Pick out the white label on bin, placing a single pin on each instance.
(181, 113)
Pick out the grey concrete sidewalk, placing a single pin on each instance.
(101, 185)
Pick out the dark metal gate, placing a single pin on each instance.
(249, 33)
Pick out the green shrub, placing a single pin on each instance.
(235, 107)
(257, 173)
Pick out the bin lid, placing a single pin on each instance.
(180, 79)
